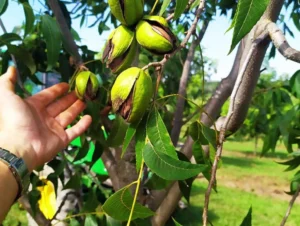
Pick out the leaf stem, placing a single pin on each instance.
(154, 6)
(136, 192)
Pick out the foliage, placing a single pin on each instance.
(41, 47)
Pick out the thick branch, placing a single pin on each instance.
(177, 122)
(231, 111)
(38, 217)
(281, 43)
(69, 42)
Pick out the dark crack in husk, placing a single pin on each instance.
(107, 51)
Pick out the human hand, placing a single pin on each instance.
(34, 128)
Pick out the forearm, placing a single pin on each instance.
(8, 190)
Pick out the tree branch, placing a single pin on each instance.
(290, 206)
(69, 42)
(282, 44)
(38, 217)
(226, 122)
(177, 121)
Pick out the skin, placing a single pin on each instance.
(35, 128)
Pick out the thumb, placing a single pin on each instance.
(10, 78)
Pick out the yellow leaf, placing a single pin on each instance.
(47, 202)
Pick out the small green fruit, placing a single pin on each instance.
(131, 94)
(120, 49)
(87, 85)
(128, 12)
(154, 34)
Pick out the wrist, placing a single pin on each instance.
(24, 151)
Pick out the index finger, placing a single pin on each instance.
(49, 95)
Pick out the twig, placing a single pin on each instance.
(136, 192)
(290, 206)
(20, 83)
(62, 204)
(190, 32)
(225, 124)
(281, 43)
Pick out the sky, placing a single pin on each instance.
(215, 42)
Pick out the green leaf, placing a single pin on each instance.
(53, 39)
(140, 139)
(295, 83)
(180, 7)
(247, 14)
(23, 55)
(3, 6)
(195, 4)
(185, 187)
(158, 134)
(82, 151)
(7, 38)
(118, 206)
(248, 218)
(92, 202)
(90, 220)
(156, 183)
(74, 182)
(167, 167)
(29, 16)
(131, 130)
(118, 132)
(112, 222)
(175, 222)
(164, 7)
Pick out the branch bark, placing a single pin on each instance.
(282, 44)
(69, 42)
(177, 122)
(231, 111)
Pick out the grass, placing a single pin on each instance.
(16, 217)
(244, 180)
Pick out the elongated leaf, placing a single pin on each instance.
(52, 36)
(158, 134)
(140, 139)
(22, 55)
(156, 183)
(164, 7)
(7, 38)
(247, 15)
(131, 130)
(180, 7)
(295, 83)
(118, 206)
(167, 167)
(195, 4)
(29, 16)
(118, 132)
(175, 222)
(248, 218)
(3, 6)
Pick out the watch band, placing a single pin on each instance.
(18, 168)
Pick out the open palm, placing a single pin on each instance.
(34, 128)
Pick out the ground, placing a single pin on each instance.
(244, 180)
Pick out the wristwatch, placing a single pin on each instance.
(18, 168)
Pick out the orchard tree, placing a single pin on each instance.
(136, 92)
